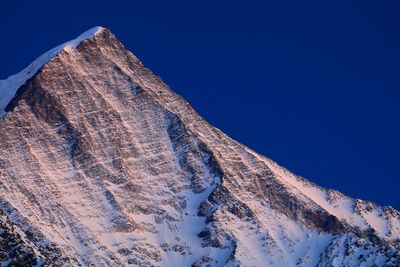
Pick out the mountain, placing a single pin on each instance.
(101, 164)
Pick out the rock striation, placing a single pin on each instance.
(102, 164)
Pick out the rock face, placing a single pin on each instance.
(15, 247)
(102, 164)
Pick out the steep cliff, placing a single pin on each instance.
(101, 163)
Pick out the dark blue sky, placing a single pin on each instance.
(314, 85)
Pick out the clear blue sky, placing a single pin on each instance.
(314, 85)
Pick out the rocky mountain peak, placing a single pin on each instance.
(101, 163)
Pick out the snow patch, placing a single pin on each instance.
(9, 87)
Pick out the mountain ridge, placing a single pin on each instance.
(179, 190)
(9, 86)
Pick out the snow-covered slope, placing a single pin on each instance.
(101, 163)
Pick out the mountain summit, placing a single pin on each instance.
(101, 164)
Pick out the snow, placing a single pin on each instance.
(9, 87)
(276, 241)
(378, 223)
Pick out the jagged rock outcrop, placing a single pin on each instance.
(102, 164)
(15, 248)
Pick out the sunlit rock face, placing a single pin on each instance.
(102, 164)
